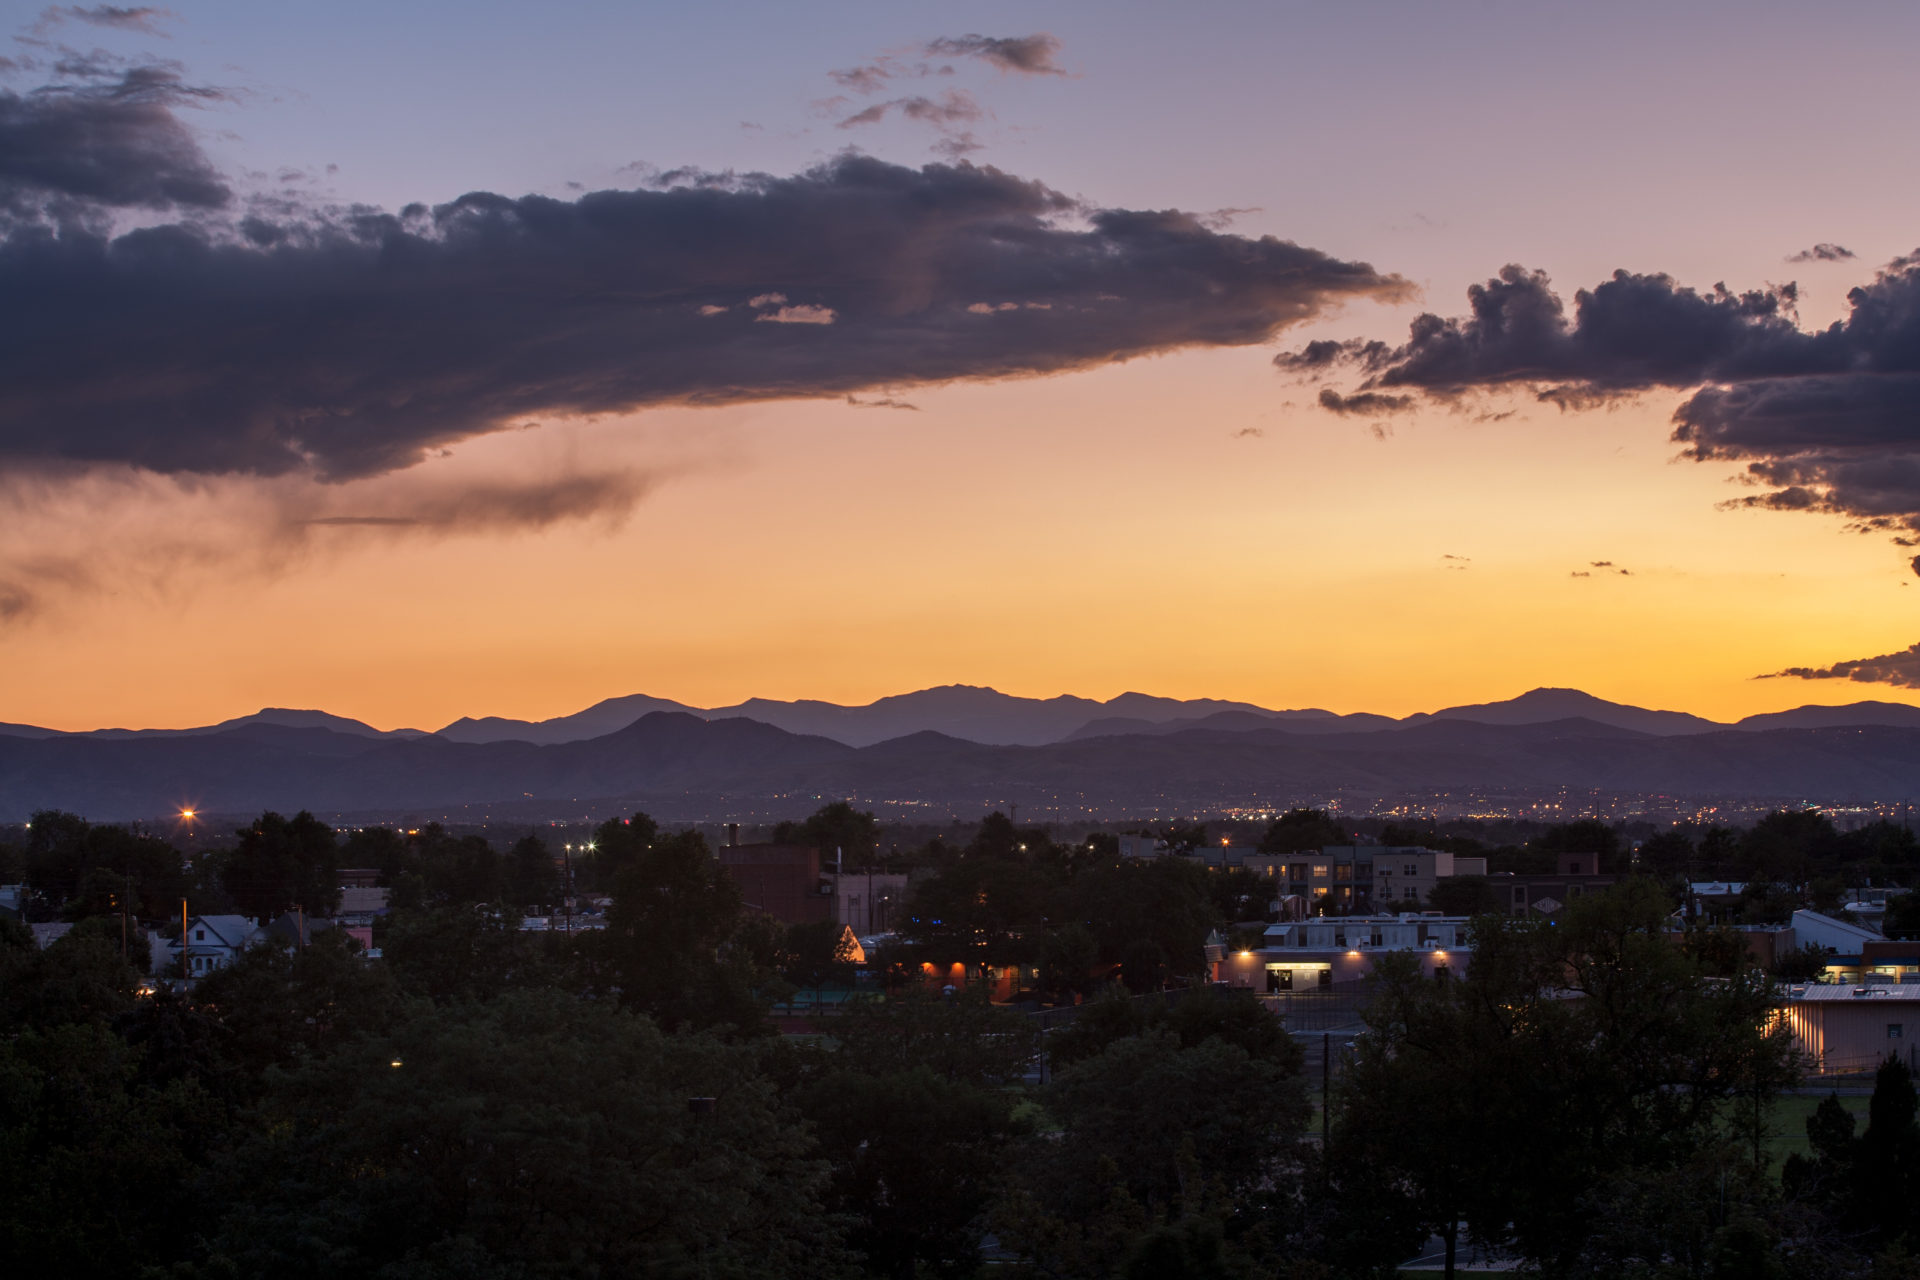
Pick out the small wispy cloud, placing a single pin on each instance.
(1823, 252)
(1029, 55)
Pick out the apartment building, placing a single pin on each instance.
(1305, 955)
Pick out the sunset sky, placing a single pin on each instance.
(856, 348)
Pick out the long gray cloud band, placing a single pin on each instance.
(267, 340)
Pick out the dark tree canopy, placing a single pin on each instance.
(284, 863)
(1298, 830)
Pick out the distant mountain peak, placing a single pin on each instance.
(1547, 704)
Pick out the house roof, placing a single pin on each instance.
(45, 935)
(1848, 993)
(232, 931)
(1829, 929)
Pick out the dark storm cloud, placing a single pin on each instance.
(66, 150)
(1030, 55)
(1825, 420)
(1900, 669)
(350, 343)
(1823, 252)
(1632, 332)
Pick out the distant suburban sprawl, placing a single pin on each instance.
(841, 1046)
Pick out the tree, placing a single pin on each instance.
(99, 1151)
(1240, 893)
(80, 978)
(1151, 1133)
(1110, 1016)
(1864, 1186)
(837, 829)
(465, 951)
(1669, 855)
(1406, 1140)
(1589, 836)
(98, 1179)
(983, 910)
(664, 948)
(816, 953)
(284, 863)
(1786, 847)
(1465, 896)
(1803, 963)
(1298, 830)
(1903, 915)
(533, 1136)
(1068, 960)
(617, 844)
(1886, 1175)
(80, 869)
(531, 878)
(275, 1007)
(1653, 1080)
(1164, 902)
(966, 1039)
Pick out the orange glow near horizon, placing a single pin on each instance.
(1087, 534)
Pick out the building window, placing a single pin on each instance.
(1442, 972)
(1343, 872)
(199, 935)
(1326, 977)
(1519, 895)
(1297, 871)
(1319, 871)
(1412, 870)
(1894, 1030)
(1411, 894)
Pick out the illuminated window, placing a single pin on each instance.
(1895, 1030)
(1319, 871)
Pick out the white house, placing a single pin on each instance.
(214, 942)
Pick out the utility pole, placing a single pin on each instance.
(1326, 1092)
